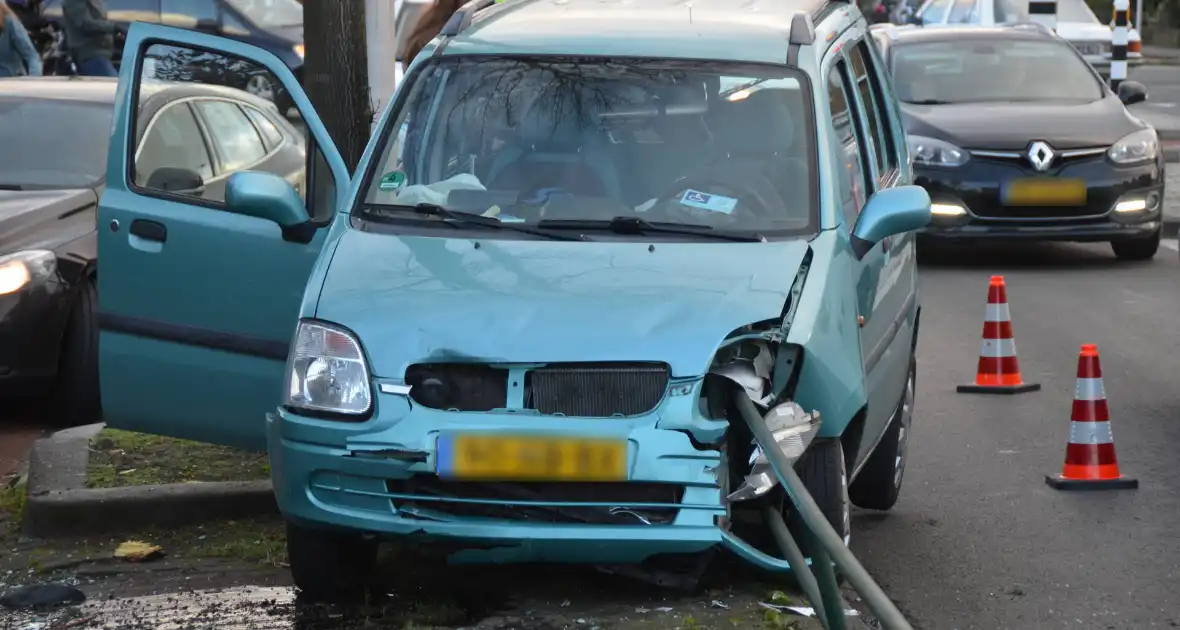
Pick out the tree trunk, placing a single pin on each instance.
(335, 72)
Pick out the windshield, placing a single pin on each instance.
(709, 144)
(62, 144)
(275, 13)
(997, 70)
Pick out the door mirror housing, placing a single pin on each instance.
(180, 181)
(888, 212)
(268, 196)
(1132, 92)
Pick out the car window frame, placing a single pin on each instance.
(885, 158)
(218, 156)
(154, 118)
(266, 143)
(838, 67)
(919, 15)
(974, 13)
(385, 133)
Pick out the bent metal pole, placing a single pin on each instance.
(1119, 35)
(876, 599)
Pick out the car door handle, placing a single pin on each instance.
(149, 230)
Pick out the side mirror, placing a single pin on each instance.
(181, 181)
(888, 212)
(268, 196)
(1131, 92)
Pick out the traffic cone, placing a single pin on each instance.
(1090, 463)
(999, 370)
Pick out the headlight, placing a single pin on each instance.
(22, 268)
(326, 371)
(1141, 146)
(935, 152)
(299, 50)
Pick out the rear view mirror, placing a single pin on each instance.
(1132, 92)
(888, 212)
(177, 180)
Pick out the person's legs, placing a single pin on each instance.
(97, 67)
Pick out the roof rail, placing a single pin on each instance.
(461, 19)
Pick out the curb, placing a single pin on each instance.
(59, 504)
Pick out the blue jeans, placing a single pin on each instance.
(97, 67)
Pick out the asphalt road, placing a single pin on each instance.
(978, 540)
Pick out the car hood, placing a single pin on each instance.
(23, 212)
(416, 299)
(1011, 126)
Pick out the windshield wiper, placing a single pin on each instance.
(458, 217)
(635, 225)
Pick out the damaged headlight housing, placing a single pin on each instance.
(327, 373)
(793, 430)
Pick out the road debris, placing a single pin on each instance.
(138, 551)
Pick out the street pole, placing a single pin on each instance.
(336, 72)
(381, 43)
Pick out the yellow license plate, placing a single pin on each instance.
(528, 458)
(1045, 192)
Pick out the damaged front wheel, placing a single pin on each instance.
(823, 471)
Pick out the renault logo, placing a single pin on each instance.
(1040, 155)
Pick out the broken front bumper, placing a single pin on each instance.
(379, 477)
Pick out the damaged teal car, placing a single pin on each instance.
(581, 229)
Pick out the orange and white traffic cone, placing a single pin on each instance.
(1090, 463)
(999, 370)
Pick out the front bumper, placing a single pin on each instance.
(976, 188)
(379, 477)
(30, 337)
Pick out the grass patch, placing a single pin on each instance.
(123, 458)
(12, 507)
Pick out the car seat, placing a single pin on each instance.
(758, 133)
(558, 145)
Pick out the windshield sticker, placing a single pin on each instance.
(392, 181)
(705, 201)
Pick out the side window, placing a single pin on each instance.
(270, 133)
(231, 25)
(187, 13)
(935, 12)
(222, 129)
(172, 140)
(964, 12)
(235, 139)
(846, 133)
(872, 99)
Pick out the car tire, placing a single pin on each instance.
(823, 472)
(75, 399)
(329, 566)
(1136, 248)
(879, 483)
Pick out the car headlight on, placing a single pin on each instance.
(327, 372)
(1133, 148)
(24, 268)
(935, 152)
(299, 50)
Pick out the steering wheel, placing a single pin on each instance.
(677, 200)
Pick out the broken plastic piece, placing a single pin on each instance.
(793, 430)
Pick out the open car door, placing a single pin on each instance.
(197, 304)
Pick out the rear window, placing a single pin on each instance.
(727, 146)
(61, 144)
(992, 70)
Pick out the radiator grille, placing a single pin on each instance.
(597, 390)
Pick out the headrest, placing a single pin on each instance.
(761, 124)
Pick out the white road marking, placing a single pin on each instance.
(1171, 243)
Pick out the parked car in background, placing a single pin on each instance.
(191, 137)
(1015, 137)
(273, 25)
(1076, 23)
